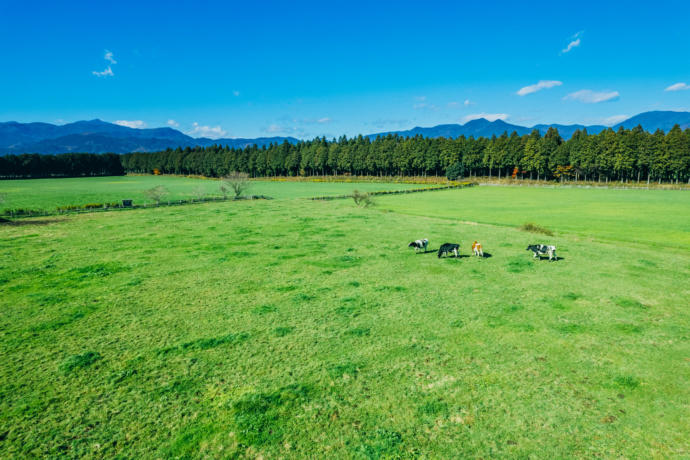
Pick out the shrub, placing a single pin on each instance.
(533, 228)
(363, 200)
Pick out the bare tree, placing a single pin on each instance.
(238, 182)
(363, 200)
(224, 189)
(199, 192)
(156, 193)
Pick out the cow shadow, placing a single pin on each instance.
(486, 256)
(546, 258)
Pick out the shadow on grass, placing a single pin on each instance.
(29, 223)
(555, 259)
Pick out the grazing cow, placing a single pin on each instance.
(419, 245)
(539, 249)
(477, 249)
(448, 247)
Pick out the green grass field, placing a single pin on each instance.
(635, 215)
(303, 329)
(50, 193)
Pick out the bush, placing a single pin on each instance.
(533, 228)
(363, 200)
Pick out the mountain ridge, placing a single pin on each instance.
(97, 136)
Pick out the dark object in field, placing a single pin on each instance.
(477, 249)
(540, 249)
(127, 203)
(448, 247)
(419, 245)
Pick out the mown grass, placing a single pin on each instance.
(250, 329)
(50, 193)
(637, 215)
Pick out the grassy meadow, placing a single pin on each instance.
(51, 193)
(305, 329)
(659, 217)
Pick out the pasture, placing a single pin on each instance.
(293, 329)
(645, 216)
(51, 193)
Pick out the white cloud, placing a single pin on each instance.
(588, 96)
(173, 123)
(575, 42)
(421, 98)
(312, 121)
(543, 84)
(215, 132)
(109, 57)
(136, 124)
(678, 87)
(106, 73)
(236, 93)
(571, 45)
(469, 103)
(487, 116)
(279, 129)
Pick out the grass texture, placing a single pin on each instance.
(301, 329)
(48, 194)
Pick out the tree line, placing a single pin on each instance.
(623, 155)
(34, 165)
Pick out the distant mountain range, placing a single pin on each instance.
(98, 136)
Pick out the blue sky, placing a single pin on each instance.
(306, 69)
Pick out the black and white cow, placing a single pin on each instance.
(539, 249)
(419, 245)
(448, 247)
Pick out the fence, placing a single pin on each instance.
(393, 192)
(607, 187)
(24, 213)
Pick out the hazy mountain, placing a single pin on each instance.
(651, 121)
(566, 131)
(476, 128)
(98, 136)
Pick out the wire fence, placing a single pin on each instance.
(89, 209)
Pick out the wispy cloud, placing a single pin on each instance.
(173, 123)
(487, 116)
(236, 93)
(109, 71)
(425, 106)
(543, 84)
(137, 124)
(420, 98)
(382, 122)
(587, 96)
(312, 121)
(280, 129)
(215, 132)
(469, 103)
(109, 57)
(571, 45)
(678, 87)
(575, 42)
(614, 120)
(106, 73)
